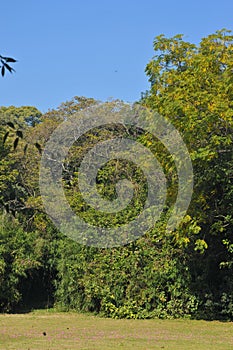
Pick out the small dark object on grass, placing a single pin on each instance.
(44, 333)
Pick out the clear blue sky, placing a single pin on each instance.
(93, 48)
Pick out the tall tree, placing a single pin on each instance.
(192, 86)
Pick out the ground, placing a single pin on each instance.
(54, 331)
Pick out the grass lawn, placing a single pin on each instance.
(47, 330)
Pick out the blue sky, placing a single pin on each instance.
(93, 48)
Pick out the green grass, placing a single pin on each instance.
(77, 331)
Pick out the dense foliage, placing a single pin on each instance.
(193, 87)
(186, 273)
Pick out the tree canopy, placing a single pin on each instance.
(184, 273)
(192, 86)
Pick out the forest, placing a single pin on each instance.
(184, 273)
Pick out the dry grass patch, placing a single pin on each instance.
(54, 331)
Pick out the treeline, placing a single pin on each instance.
(185, 273)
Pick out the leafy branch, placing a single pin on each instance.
(5, 66)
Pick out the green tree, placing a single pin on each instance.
(14, 123)
(144, 279)
(20, 257)
(192, 86)
(20, 116)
